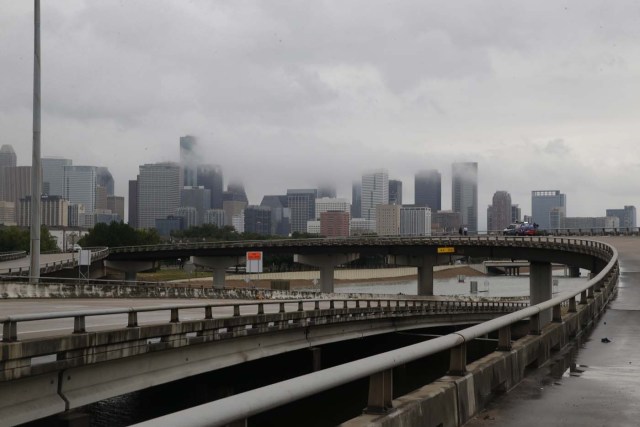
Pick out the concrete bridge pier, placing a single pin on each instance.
(573, 271)
(218, 265)
(327, 263)
(425, 264)
(130, 268)
(541, 287)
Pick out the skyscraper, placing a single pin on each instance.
(198, 198)
(210, 177)
(80, 186)
(375, 191)
(17, 183)
(132, 220)
(395, 192)
(105, 179)
(302, 205)
(53, 175)
(257, 219)
(158, 192)
(499, 212)
(627, 216)
(548, 208)
(8, 158)
(326, 190)
(356, 199)
(235, 192)
(280, 214)
(428, 189)
(188, 160)
(465, 193)
(415, 221)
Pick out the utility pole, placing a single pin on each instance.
(36, 172)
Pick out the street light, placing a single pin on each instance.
(36, 172)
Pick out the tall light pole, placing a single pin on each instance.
(36, 172)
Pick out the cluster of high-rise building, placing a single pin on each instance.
(171, 196)
(72, 196)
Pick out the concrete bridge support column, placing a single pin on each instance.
(425, 264)
(574, 271)
(218, 265)
(130, 268)
(541, 287)
(326, 263)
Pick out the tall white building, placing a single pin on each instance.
(80, 186)
(158, 192)
(375, 191)
(215, 217)
(415, 221)
(326, 204)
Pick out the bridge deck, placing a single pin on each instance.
(606, 391)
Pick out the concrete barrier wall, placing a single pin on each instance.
(431, 405)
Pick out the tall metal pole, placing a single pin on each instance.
(36, 171)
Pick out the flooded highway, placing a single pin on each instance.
(597, 383)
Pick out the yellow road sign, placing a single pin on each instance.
(446, 250)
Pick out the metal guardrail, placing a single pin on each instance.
(96, 254)
(10, 256)
(373, 306)
(244, 405)
(345, 242)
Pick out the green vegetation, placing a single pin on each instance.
(118, 234)
(19, 239)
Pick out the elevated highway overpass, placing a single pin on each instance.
(86, 353)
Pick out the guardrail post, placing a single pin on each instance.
(458, 360)
(380, 393)
(260, 308)
(572, 305)
(208, 312)
(9, 331)
(583, 297)
(316, 305)
(504, 339)
(557, 313)
(281, 308)
(175, 317)
(236, 310)
(132, 319)
(590, 293)
(535, 325)
(78, 325)
(300, 306)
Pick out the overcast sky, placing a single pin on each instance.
(287, 94)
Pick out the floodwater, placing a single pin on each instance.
(487, 286)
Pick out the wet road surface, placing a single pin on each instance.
(597, 383)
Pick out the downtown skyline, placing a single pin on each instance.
(283, 105)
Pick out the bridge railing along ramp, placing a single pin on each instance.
(19, 263)
(48, 375)
(453, 399)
